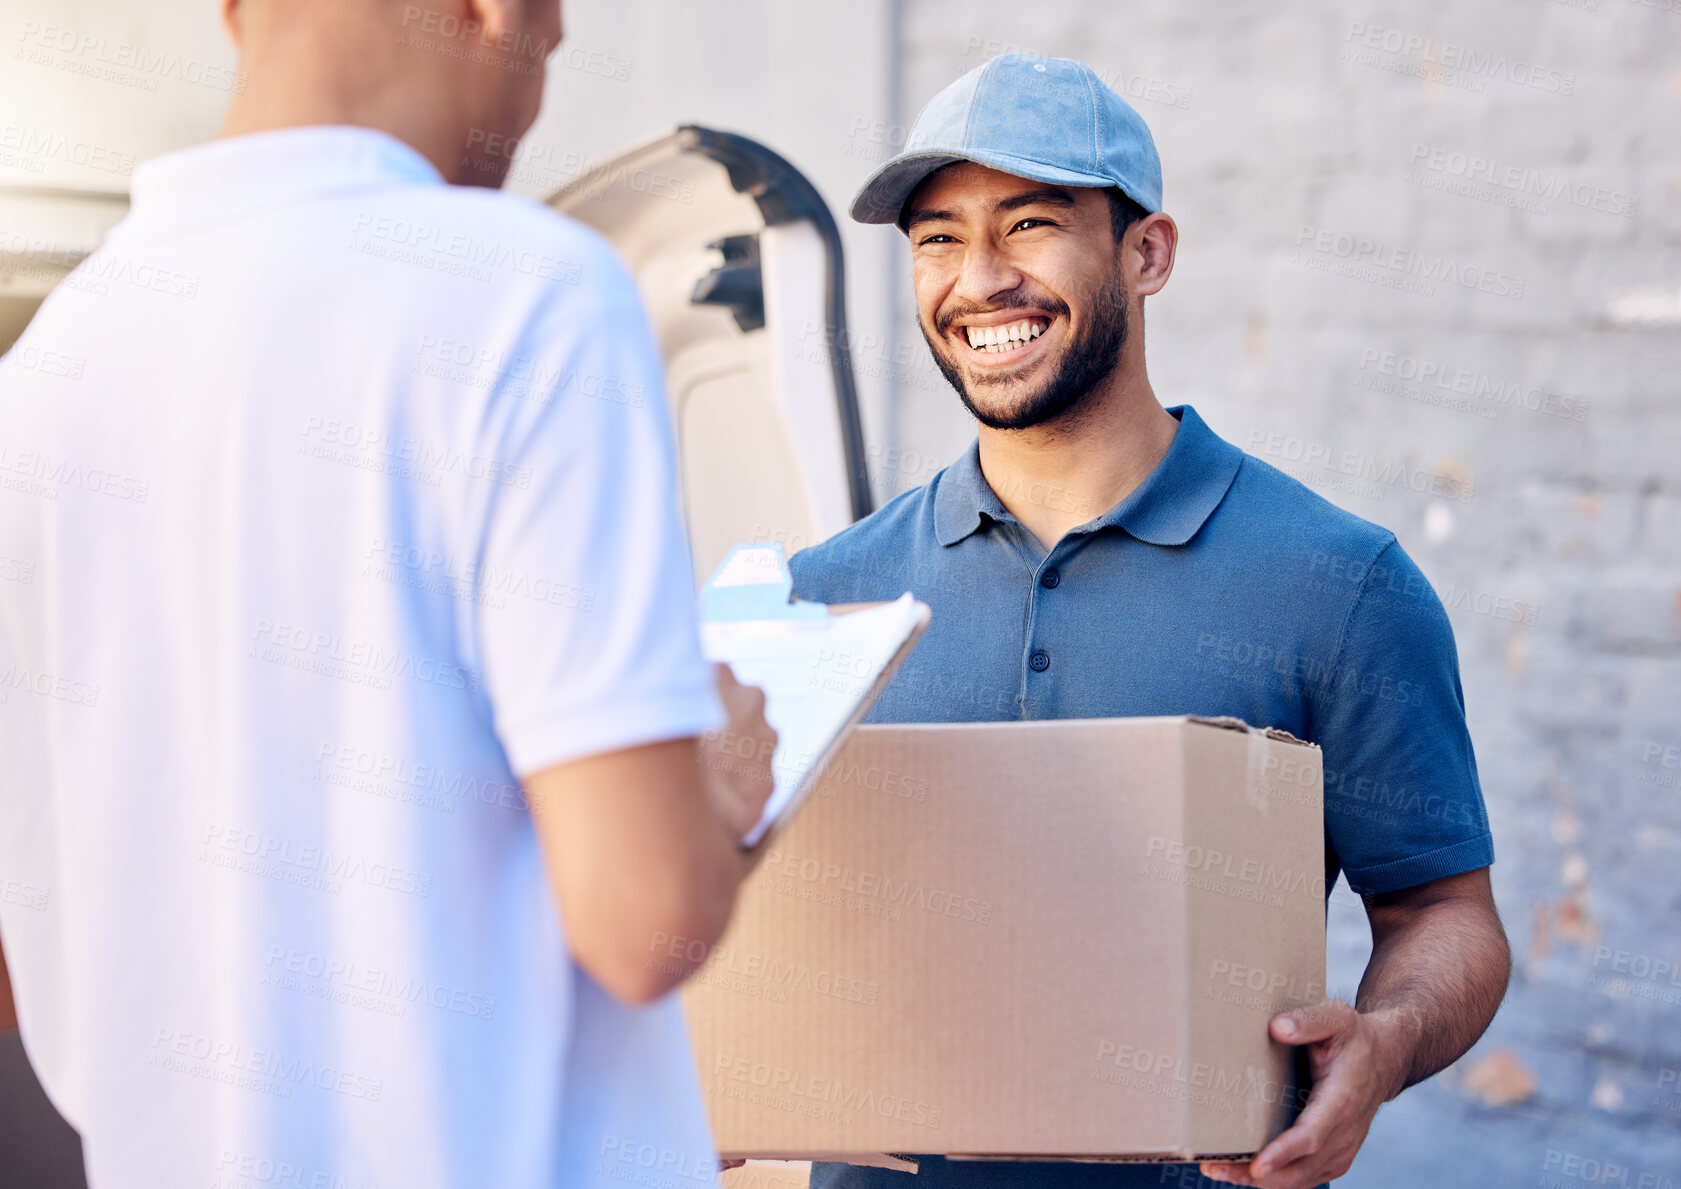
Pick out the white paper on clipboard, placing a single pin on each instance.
(821, 672)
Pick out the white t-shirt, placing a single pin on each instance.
(332, 500)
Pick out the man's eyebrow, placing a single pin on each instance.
(1015, 202)
(1059, 198)
(926, 215)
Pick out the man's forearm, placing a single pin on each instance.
(1438, 971)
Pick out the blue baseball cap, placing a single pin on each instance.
(1048, 119)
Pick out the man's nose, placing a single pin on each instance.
(986, 273)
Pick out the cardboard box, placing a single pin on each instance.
(1041, 940)
(764, 1174)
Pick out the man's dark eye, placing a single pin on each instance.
(1032, 223)
(936, 238)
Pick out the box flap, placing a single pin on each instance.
(1230, 723)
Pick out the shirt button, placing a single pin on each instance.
(1039, 661)
(1050, 579)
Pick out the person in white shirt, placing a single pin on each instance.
(362, 773)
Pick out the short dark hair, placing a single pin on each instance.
(1123, 212)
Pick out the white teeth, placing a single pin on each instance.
(993, 339)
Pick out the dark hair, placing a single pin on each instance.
(1123, 212)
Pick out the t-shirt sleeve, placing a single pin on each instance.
(601, 649)
(1402, 802)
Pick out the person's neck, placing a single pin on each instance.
(1058, 476)
(291, 93)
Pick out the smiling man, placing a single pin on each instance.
(1094, 555)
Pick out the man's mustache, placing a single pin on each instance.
(1051, 307)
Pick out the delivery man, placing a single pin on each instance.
(1093, 554)
(354, 823)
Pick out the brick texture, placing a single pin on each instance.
(1507, 400)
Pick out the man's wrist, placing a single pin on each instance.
(1396, 1033)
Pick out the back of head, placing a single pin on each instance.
(460, 80)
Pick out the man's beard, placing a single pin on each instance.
(1086, 362)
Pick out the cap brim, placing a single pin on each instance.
(883, 194)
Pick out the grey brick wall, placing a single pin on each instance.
(1440, 247)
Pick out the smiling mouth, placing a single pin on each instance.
(1008, 338)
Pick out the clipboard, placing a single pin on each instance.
(821, 667)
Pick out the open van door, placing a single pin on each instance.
(739, 264)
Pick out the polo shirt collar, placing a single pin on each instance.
(287, 165)
(964, 500)
(1166, 509)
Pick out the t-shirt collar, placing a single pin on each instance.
(280, 167)
(1166, 509)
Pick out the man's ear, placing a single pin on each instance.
(231, 21)
(1157, 243)
(495, 17)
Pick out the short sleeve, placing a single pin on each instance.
(587, 627)
(1403, 805)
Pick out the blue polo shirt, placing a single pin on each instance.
(1220, 586)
